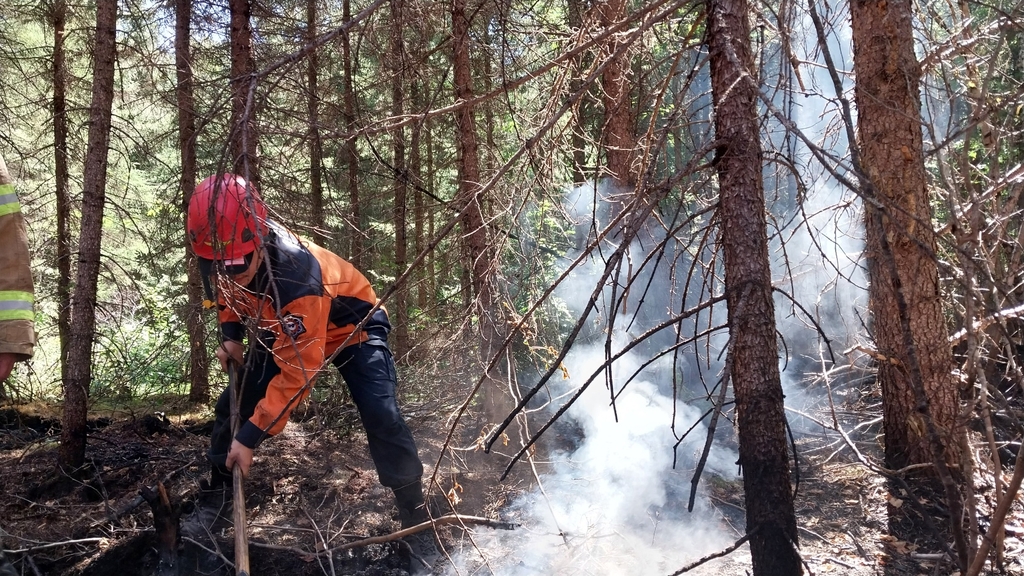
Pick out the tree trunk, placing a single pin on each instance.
(471, 202)
(753, 353)
(400, 306)
(77, 371)
(62, 180)
(918, 391)
(431, 173)
(469, 163)
(891, 142)
(419, 206)
(243, 115)
(617, 133)
(578, 139)
(199, 359)
(350, 155)
(316, 150)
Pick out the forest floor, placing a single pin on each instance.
(313, 485)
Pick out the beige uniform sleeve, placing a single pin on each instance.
(17, 333)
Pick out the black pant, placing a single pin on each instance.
(369, 371)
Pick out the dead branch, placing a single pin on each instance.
(712, 426)
(985, 322)
(718, 554)
(442, 521)
(999, 516)
(56, 545)
(32, 564)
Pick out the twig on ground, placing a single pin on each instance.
(838, 561)
(323, 541)
(442, 521)
(56, 544)
(894, 475)
(280, 528)
(28, 448)
(744, 510)
(856, 542)
(813, 533)
(803, 561)
(930, 557)
(103, 492)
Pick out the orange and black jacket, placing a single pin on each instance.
(303, 304)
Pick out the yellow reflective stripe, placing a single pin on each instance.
(16, 305)
(8, 200)
(6, 315)
(19, 295)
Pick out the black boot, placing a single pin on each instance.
(212, 511)
(421, 546)
(6, 568)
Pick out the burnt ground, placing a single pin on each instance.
(315, 483)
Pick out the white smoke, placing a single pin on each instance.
(616, 498)
(615, 503)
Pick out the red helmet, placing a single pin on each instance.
(226, 218)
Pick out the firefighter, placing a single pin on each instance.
(17, 334)
(285, 306)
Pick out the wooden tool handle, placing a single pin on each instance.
(241, 530)
(238, 483)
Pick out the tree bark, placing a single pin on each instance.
(431, 173)
(574, 16)
(891, 145)
(199, 359)
(77, 371)
(469, 163)
(350, 156)
(470, 200)
(243, 120)
(62, 179)
(401, 190)
(316, 149)
(617, 133)
(753, 351)
(419, 205)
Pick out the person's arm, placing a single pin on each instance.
(17, 333)
(232, 331)
(231, 349)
